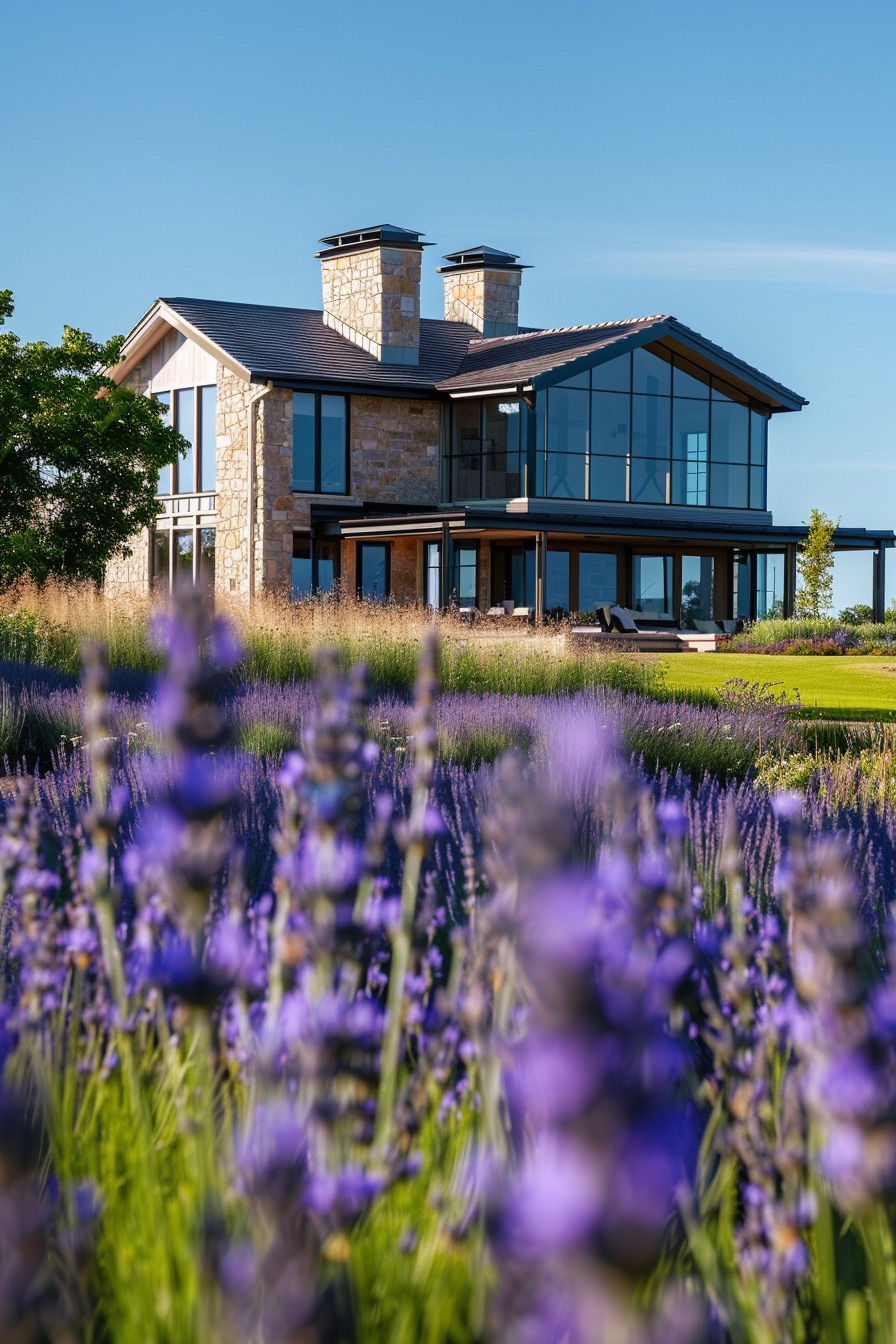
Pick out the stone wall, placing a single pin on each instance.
(129, 573)
(232, 429)
(486, 299)
(394, 450)
(405, 569)
(372, 298)
(279, 511)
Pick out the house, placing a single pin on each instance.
(466, 458)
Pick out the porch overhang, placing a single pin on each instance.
(679, 528)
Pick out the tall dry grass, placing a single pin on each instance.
(49, 623)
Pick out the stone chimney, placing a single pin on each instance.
(482, 287)
(371, 284)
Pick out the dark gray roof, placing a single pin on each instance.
(531, 356)
(292, 345)
(518, 359)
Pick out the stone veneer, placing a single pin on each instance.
(484, 298)
(372, 297)
(129, 573)
(394, 450)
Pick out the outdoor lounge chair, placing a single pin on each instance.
(615, 618)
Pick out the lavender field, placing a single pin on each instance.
(333, 1015)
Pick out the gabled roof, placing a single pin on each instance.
(520, 358)
(537, 357)
(293, 348)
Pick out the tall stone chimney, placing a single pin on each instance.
(371, 290)
(482, 287)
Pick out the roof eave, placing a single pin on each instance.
(158, 319)
(785, 397)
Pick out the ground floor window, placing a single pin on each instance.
(652, 585)
(463, 587)
(432, 579)
(598, 583)
(556, 585)
(513, 575)
(373, 570)
(315, 565)
(758, 584)
(697, 583)
(183, 555)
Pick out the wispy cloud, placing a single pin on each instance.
(844, 468)
(854, 268)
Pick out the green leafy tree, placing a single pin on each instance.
(79, 456)
(859, 614)
(816, 566)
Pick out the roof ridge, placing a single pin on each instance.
(584, 326)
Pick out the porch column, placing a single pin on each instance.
(789, 579)
(446, 565)
(879, 598)
(541, 565)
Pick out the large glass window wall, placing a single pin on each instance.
(644, 428)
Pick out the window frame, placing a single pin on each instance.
(313, 544)
(359, 570)
(318, 419)
(172, 418)
(538, 467)
(165, 583)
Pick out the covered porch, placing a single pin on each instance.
(676, 572)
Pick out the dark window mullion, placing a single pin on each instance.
(317, 435)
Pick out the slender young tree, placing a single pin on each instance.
(79, 456)
(816, 566)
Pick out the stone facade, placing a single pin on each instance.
(126, 574)
(372, 297)
(394, 450)
(278, 511)
(405, 577)
(485, 298)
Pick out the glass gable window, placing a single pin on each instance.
(319, 443)
(207, 439)
(185, 423)
(164, 483)
(644, 428)
(193, 411)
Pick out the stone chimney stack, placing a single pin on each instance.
(482, 287)
(371, 290)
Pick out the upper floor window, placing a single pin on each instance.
(320, 443)
(192, 412)
(644, 428)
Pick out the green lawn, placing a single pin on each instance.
(848, 688)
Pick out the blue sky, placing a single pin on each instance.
(729, 164)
